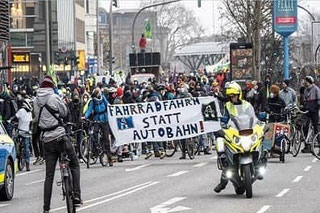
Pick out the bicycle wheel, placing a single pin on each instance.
(170, 148)
(283, 150)
(196, 146)
(315, 146)
(69, 194)
(190, 147)
(296, 143)
(84, 149)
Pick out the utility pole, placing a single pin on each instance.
(110, 38)
(98, 37)
(47, 34)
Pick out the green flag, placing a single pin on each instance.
(52, 73)
(148, 30)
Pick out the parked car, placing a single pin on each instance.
(7, 165)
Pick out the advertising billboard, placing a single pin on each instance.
(241, 58)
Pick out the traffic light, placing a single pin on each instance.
(113, 60)
(115, 3)
(77, 61)
(66, 60)
(199, 3)
(57, 58)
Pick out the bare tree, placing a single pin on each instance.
(178, 27)
(250, 20)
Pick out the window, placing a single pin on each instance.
(22, 14)
(87, 6)
(21, 39)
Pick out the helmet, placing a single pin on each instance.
(309, 79)
(233, 88)
(26, 104)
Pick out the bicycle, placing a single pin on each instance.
(20, 149)
(79, 148)
(192, 147)
(66, 181)
(93, 143)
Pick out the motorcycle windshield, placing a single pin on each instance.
(246, 120)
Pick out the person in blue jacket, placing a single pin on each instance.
(97, 111)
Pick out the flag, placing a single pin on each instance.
(148, 30)
(52, 73)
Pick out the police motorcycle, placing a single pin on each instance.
(243, 160)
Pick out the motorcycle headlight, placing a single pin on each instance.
(236, 140)
(246, 143)
(254, 138)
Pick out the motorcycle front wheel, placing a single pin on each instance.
(247, 180)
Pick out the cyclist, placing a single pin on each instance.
(49, 109)
(311, 103)
(234, 92)
(24, 117)
(288, 94)
(275, 104)
(97, 111)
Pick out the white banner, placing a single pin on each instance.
(164, 120)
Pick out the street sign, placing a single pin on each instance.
(20, 57)
(82, 60)
(93, 65)
(285, 16)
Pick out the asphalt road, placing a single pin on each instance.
(173, 185)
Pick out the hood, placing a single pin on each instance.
(43, 94)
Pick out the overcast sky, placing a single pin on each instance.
(208, 14)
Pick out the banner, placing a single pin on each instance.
(164, 120)
(148, 30)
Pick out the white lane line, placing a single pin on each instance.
(162, 207)
(137, 168)
(297, 179)
(307, 168)
(27, 173)
(105, 196)
(264, 209)
(4, 205)
(179, 209)
(283, 192)
(214, 158)
(38, 181)
(200, 164)
(314, 160)
(116, 197)
(177, 173)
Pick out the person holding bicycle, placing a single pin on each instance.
(97, 111)
(49, 109)
(311, 103)
(24, 117)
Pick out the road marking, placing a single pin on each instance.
(137, 168)
(307, 168)
(200, 164)
(27, 173)
(283, 192)
(38, 181)
(105, 196)
(162, 208)
(177, 173)
(214, 158)
(297, 179)
(117, 196)
(315, 160)
(4, 205)
(264, 209)
(179, 209)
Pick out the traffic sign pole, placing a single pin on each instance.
(286, 57)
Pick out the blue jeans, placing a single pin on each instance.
(26, 144)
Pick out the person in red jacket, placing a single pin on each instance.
(143, 43)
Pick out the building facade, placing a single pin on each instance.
(4, 39)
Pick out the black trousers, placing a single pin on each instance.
(312, 117)
(52, 152)
(105, 130)
(37, 144)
